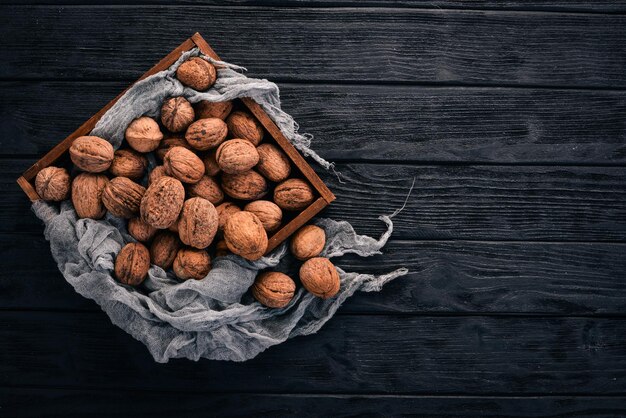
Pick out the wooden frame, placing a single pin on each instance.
(26, 181)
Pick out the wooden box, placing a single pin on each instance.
(324, 195)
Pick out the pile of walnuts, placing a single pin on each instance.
(210, 192)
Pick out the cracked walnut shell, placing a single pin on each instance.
(183, 164)
(249, 185)
(87, 191)
(293, 194)
(122, 197)
(273, 289)
(236, 156)
(53, 184)
(308, 242)
(245, 236)
(197, 73)
(132, 264)
(91, 153)
(243, 125)
(162, 202)
(192, 263)
(198, 221)
(319, 276)
(143, 134)
(177, 114)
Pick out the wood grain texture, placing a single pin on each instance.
(444, 277)
(385, 123)
(351, 354)
(448, 202)
(409, 45)
(30, 402)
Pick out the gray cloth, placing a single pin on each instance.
(216, 317)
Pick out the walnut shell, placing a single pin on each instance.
(236, 156)
(249, 185)
(128, 163)
(210, 165)
(221, 249)
(140, 230)
(208, 133)
(192, 263)
(53, 184)
(162, 202)
(205, 109)
(132, 264)
(87, 191)
(319, 276)
(169, 143)
(243, 125)
(268, 213)
(208, 189)
(183, 164)
(273, 163)
(164, 248)
(143, 134)
(174, 226)
(122, 197)
(91, 153)
(197, 73)
(245, 236)
(198, 223)
(308, 242)
(156, 173)
(293, 194)
(177, 114)
(273, 289)
(224, 211)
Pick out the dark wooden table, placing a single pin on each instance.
(511, 116)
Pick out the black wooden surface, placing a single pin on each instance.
(511, 118)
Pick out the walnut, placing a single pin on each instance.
(205, 109)
(122, 197)
(268, 213)
(273, 163)
(273, 289)
(91, 153)
(244, 186)
(198, 223)
(293, 194)
(308, 242)
(244, 125)
(221, 249)
(236, 156)
(174, 226)
(164, 248)
(140, 230)
(156, 173)
(210, 164)
(87, 191)
(132, 264)
(169, 143)
(245, 236)
(208, 189)
(143, 134)
(183, 164)
(177, 114)
(319, 276)
(197, 73)
(192, 263)
(53, 184)
(204, 134)
(128, 163)
(224, 211)
(162, 202)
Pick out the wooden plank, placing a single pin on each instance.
(453, 277)
(36, 402)
(357, 45)
(537, 5)
(351, 354)
(352, 122)
(541, 203)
